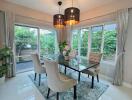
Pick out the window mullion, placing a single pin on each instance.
(38, 42)
(79, 42)
(102, 42)
(89, 41)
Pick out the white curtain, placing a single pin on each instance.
(10, 18)
(63, 35)
(69, 35)
(2, 28)
(122, 23)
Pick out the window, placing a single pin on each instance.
(30, 40)
(96, 35)
(109, 49)
(84, 42)
(80, 41)
(47, 42)
(75, 40)
(100, 38)
(26, 42)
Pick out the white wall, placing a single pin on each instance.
(23, 11)
(2, 28)
(128, 54)
(106, 9)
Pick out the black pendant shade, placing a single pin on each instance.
(58, 21)
(72, 16)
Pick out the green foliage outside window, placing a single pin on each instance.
(47, 43)
(23, 37)
(96, 36)
(84, 43)
(99, 37)
(75, 40)
(26, 40)
(109, 45)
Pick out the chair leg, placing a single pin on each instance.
(57, 97)
(39, 79)
(48, 93)
(75, 92)
(65, 70)
(92, 85)
(88, 75)
(35, 76)
(79, 74)
(97, 78)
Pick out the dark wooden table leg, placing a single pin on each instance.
(79, 73)
(39, 79)
(48, 93)
(35, 76)
(92, 85)
(75, 92)
(57, 97)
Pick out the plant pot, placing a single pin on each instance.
(66, 57)
(2, 80)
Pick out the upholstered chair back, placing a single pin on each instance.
(53, 77)
(37, 65)
(95, 57)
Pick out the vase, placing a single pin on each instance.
(66, 57)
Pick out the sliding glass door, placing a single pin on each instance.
(26, 43)
(30, 40)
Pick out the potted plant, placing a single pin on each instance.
(5, 54)
(62, 46)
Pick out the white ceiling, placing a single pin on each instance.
(51, 7)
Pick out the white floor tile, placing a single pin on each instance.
(22, 88)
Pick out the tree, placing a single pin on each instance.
(24, 36)
(109, 44)
(47, 43)
(96, 36)
(84, 43)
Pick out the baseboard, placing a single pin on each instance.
(126, 84)
(105, 77)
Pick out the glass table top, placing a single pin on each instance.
(78, 63)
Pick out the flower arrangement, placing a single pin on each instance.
(66, 50)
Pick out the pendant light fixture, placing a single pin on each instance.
(58, 19)
(72, 15)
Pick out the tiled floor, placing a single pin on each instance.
(22, 88)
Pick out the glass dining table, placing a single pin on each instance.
(78, 64)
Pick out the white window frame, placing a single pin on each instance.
(90, 41)
(38, 36)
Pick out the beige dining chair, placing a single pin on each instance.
(94, 71)
(38, 67)
(58, 82)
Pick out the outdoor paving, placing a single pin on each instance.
(24, 66)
